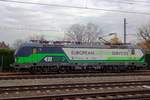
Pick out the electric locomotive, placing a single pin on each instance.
(67, 57)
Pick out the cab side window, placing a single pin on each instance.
(24, 51)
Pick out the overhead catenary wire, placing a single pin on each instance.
(29, 29)
(78, 7)
(130, 2)
(135, 2)
(138, 1)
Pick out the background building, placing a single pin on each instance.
(3, 45)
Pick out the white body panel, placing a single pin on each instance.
(102, 54)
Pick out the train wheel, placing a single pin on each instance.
(45, 69)
(32, 70)
(62, 69)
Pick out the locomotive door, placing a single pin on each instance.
(35, 57)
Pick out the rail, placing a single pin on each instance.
(8, 76)
(128, 90)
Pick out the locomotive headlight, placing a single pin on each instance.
(16, 59)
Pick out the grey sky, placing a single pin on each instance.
(19, 21)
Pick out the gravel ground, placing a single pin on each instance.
(72, 80)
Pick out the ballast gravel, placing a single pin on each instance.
(48, 81)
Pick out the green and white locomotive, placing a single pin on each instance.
(65, 56)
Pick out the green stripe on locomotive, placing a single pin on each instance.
(38, 57)
(62, 57)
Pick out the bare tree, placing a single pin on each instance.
(75, 33)
(115, 40)
(83, 33)
(144, 34)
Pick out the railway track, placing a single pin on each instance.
(88, 86)
(7, 76)
(84, 91)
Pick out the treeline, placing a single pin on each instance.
(6, 58)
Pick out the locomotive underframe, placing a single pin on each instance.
(80, 67)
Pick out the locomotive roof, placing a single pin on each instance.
(90, 45)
